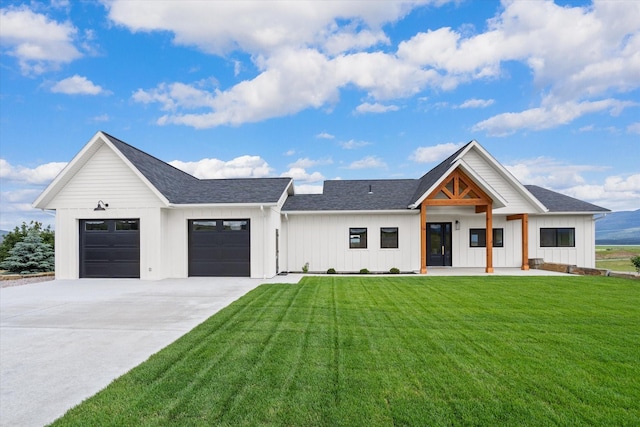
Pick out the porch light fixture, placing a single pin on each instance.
(101, 206)
(457, 225)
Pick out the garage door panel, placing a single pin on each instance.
(110, 248)
(219, 247)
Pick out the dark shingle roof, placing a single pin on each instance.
(343, 195)
(557, 202)
(181, 188)
(430, 178)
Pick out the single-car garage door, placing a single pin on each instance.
(109, 248)
(219, 247)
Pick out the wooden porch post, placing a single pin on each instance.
(423, 238)
(489, 238)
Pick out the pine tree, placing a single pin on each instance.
(31, 255)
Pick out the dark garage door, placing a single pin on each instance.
(219, 247)
(109, 248)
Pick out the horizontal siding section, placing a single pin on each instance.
(105, 177)
(516, 203)
(323, 242)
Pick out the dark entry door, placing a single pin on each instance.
(109, 248)
(439, 243)
(219, 247)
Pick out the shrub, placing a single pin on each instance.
(305, 267)
(31, 255)
(394, 270)
(331, 271)
(636, 262)
(364, 271)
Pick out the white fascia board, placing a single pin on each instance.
(582, 213)
(219, 205)
(483, 185)
(352, 212)
(289, 191)
(418, 202)
(135, 170)
(67, 172)
(507, 175)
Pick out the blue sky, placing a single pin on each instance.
(324, 90)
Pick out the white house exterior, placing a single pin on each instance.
(123, 213)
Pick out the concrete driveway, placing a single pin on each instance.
(62, 341)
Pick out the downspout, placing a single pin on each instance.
(264, 245)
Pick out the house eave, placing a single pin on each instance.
(355, 212)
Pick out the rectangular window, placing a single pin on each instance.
(389, 237)
(205, 225)
(557, 237)
(127, 225)
(478, 238)
(96, 226)
(357, 238)
(234, 225)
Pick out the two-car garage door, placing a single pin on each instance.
(110, 248)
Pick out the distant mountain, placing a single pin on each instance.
(619, 228)
(2, 234)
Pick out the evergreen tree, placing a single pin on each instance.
(19, 233)
(31, 255)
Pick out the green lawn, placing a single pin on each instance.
(382, 351)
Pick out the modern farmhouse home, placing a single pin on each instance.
(121, 212)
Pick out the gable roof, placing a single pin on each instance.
(172, 185)
(358, 195)
(557, 202)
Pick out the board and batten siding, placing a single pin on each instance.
(105, 177)
(516, 202)
(322, 240)
(582, 255)
(175, 248)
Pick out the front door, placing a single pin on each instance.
(438, 244)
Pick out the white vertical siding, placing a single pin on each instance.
(516, 202)
(176, 246)
(105, 177)
(322, 240)
(582, 255)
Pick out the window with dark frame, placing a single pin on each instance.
(389, 237)
(357, 238)
(557, 237)
(478, 238)
(96, 226)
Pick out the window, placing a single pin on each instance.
(127, 225)
(234, 225)
(96, 226)
(557, 237)
(357, 238)
(204, 225)
(478, 238)
(389, 237)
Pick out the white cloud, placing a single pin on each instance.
(300, 174)
(39, 43)
(306, 162)
(375, 108)
(547, 116)
(42, 174)
(634, 128)
(618, 193)
(325, 135)
(289, 153)
(476, 103)
(368, 162)
(240, 167)
(101, 118)
(352, 144)
(307, 189)
(77, 85)
(550, 173)
(435, 153)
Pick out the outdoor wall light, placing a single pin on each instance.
(101, 206)
(457, 225)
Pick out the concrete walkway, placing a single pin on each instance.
(62, 341)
